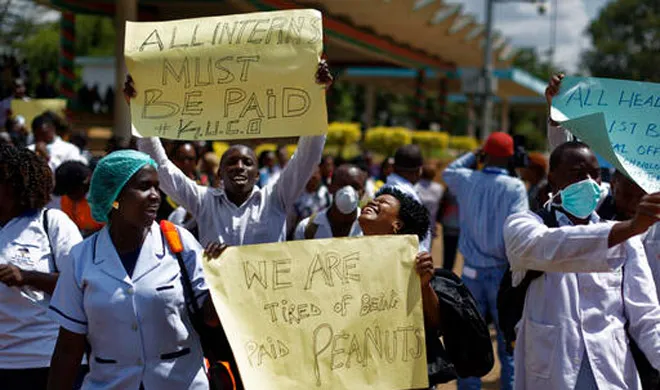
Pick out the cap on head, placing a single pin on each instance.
(499, 144)
(408, 157)
(109, 178)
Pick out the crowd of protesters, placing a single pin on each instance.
(89, 294)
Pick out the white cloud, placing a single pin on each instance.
(522, 24)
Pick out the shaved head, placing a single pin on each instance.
(244, 149)
(348, 175)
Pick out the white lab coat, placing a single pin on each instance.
(27, 333)
(60, 152)
(138, 327)
(324, 229)
(652, 247)
(260, 219)
(569, 315)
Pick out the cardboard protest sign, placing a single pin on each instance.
(228, 77)
(619, 120)
(30, 109)
(323, 314)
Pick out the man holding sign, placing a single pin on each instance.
(240, 213)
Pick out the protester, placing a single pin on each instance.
(590, 283)
(535, 175)
(327, 167)
(314, 198)
(627, 197)
(50, 146)
(394, 212)
(430, 193)
(485, 199)
(209, 166)
(34, 245)
(408, 162)
(240, 213)
(282, 157)
(72, 184)
(18, 132)
(341, 218)
(19, 92)
(268, 170)
(448, 216)
(122, 291)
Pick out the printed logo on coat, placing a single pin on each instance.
(21, 257)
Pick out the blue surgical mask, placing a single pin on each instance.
(581, 199)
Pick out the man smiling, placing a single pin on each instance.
(240, 213)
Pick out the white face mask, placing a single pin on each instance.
(346, 200)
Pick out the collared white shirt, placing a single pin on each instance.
(138, 327)
(396, 181)
(324, 229)
(61, 151)
(260, 219)
(575, 309)
(27, 333)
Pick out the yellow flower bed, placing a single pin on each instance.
(385, 140)
(463, 143)
(343, 133)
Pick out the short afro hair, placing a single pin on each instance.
(28, 176)
(69, 176)
(557, 155)
(414, 215)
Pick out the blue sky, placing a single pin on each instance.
(521, 23)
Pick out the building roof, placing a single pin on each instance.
(431, 34)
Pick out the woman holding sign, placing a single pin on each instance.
(240, 213)
(123, 291)
(449, 308)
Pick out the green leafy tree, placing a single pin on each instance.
(528, 60)
(626, 40)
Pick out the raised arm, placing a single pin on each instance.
(297, 172)
(458, 171)
(173, 181)
(557, 135)
(530, 245)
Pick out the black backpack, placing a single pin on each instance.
(511, 301)
(466, 339)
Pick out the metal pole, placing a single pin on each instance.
(553, 34)
(488, 72)
(124, 10)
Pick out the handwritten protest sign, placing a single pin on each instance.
(30, 109)
(323, 314)
(228, 77)
(619, 120)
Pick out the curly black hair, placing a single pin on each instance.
(28, 176)
(414, 215)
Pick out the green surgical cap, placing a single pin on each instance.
(109, 178)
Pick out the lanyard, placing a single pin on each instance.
(495, 171)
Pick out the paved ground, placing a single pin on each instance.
(492, 380)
